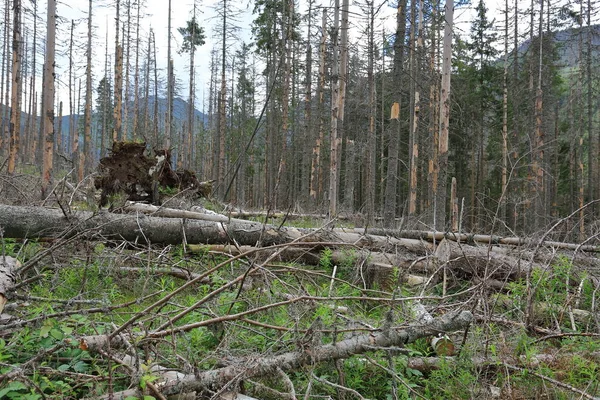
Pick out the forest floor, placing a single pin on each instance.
(92, 316)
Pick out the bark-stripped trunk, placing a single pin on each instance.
(316, 169)
(335, 94)
(15, 103)
(593, 136)
(48, 99)
(222, 102)
(73, 136)
(370, 186)
(155, 111)
(502, 200)
(117, 129)
(414, 135)
(287, 29)
(442, 168)
(341, 137)
(308, 126)
(4, 67)
(127, 38)
(32, 93)
(538, 148)
(6, 77)
(147, 92)
(86, 155)
(136, 78)
(167, 140)
(391, 183)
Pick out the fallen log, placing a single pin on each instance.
(257, 367)
(475, 238)
(38, 222)
(370, 266)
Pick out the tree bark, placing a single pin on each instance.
(244, 369)
(316, 170)
(118, 95)
(15, 104)
(335, 114)
(86, 155)
(48, 99)
(391, 184)
(442, 168)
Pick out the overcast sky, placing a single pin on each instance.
(154, 15)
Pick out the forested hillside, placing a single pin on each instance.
(284, 199)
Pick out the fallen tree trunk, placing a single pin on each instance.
(474, 238)
(248, 368)
(38, 222)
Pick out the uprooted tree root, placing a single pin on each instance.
(141, 177)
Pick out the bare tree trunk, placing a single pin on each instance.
(155, 113)
(308, 123)
(391, 184)
(7, 92)
(86, 154)
(73, 136)
(188, 149)
(504, 193)
(127, 66)
(4, 65)
(117, 128)
(136, 78)
(59, 129)
(106, 95)
(31, 133)
(280, 183)
(341, 109)
(147, 94)
(538, 149)
(442, 167)
(370, 187)
(414, 135)
(169, 117)
(222, 103)
(316, 170)
(5, 134)
(15, 111)
(48, 99)
(335, 95)
(593, 137)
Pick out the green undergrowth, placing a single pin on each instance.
(80, 286)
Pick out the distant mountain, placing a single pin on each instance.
(180, 108)
(569, 41)
(180, 112)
